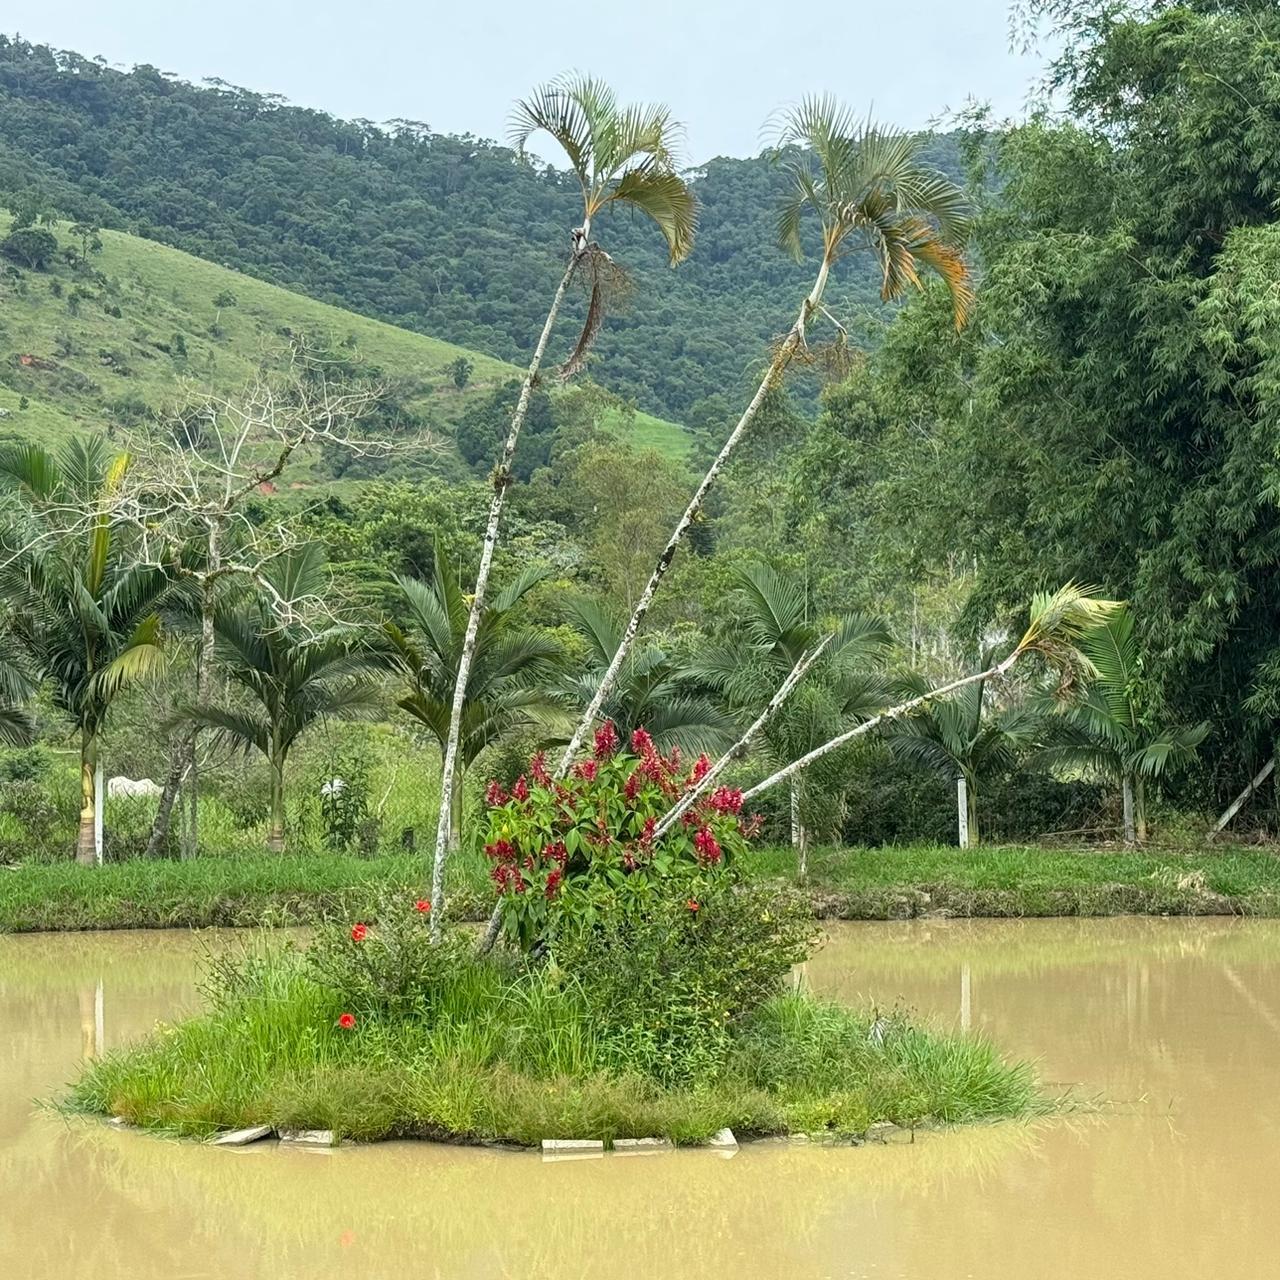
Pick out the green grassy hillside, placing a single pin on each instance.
(85, 347)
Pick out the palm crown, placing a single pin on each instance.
(866, 185)
(620, 155)
(506, 690)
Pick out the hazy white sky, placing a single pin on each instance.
(722, 66)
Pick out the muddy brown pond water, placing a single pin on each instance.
(1175, 1022)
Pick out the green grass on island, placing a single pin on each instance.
(852, 884)
(504, 1053)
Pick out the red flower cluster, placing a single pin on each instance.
(606, 741)
(701, 767)
(520, 791)
(359, 932)
(422, 906)
(586, 770)
(706, 848)
(693, 905)
(642, 744)
(553, 882)
(538, 769)
(494, 795)
(726, 800)
(346, 1021)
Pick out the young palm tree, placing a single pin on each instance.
(1104, 730)
(776, 630)
(623, 156)
(655, 692)
(293, 677)
(865, 186)
(958, 739)
(83, 614)
(512, 665)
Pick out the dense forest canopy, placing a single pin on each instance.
(1112, 413)
(452, 236)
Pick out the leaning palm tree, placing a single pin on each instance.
(293, 676)
(864, 186)
(1057, 625)
(82, 612)
(1104, 730)
(513, 665)
(775, 628)
(620, 156)
(959, 738)
(656, 692)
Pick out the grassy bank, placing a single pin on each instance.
(501, 1053)
(849, 884)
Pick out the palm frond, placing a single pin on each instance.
(597, 626)
(665, 198)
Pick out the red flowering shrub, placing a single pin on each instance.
(567, 846)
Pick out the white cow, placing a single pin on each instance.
(122, 786)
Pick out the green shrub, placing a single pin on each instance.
(666, 986)
(32, 247)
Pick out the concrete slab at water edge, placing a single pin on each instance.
(562, 1145)
(308, 1138)
(242, 1137)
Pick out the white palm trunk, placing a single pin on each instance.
(501, 481)
(790, 344)
(1126, 791)
(962, 811)
(869, 726)
(799, 837)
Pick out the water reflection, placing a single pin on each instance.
(1177, 1022)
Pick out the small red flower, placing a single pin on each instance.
(359, 932)
(642, 743)
(586, 770)
(693, 905)
(726, 800)
(700, 767)
(494, 796)
(346, 1021)
(706, 847)
(606, 740)
(422, 906)
(553, 881)
(521, 790)
(538, 769)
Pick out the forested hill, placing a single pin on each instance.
(451, 236)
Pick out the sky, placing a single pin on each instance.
(721, 65)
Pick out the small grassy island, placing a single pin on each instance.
(642, 991)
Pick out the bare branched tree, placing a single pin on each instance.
(193, 474)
